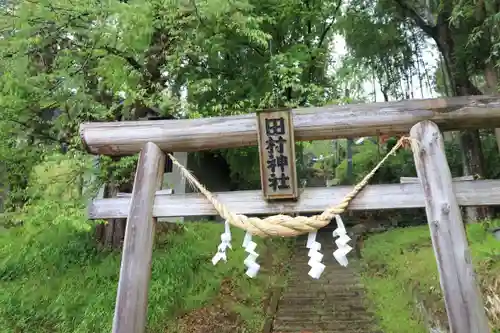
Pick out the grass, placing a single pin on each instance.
(400, 274)
(54, 279)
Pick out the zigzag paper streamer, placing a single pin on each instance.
(315, 256)
(225, 243)
(250, 262)
(342, 247)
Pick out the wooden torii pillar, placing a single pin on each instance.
(135, 272)
(463, 299)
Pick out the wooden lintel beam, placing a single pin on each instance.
(318, 123)
(397, 196)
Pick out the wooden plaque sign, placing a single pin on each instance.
(277, 154)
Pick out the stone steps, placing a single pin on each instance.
(345, 317)
(321, 297)
(339, 309)
(336, 283)
(325, 327)
(332, 304)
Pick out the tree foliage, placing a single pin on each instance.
(65, 62)
(385, 47)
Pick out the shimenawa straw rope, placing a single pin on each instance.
(284, 225)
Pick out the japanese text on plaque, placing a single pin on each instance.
(277, 161)
(277, 155)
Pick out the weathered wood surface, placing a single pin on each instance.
(470, 193)
(160, 192)
(318, 123)
(131, 300)
(464, 304)
(283, 174)
(407, 180)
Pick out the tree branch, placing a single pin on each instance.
(202, 22)
(130, 60)
(47, 27)
(410, 12)
(330, 25)
(206, 67)
(39, 134)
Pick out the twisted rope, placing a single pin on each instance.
(284, 225)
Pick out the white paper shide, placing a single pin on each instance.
(342, 247)
(314, 254)
(250, 262)
(225, 243)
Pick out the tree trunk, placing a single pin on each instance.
(112, 233)
(457, 72)
(470, 142)
(386, 95)
(491, 77)
(473, 163)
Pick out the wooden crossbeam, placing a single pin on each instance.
(407, 180)
(160, 192)
(397, 196)
(318, 123)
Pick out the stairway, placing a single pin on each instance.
(331, 304)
